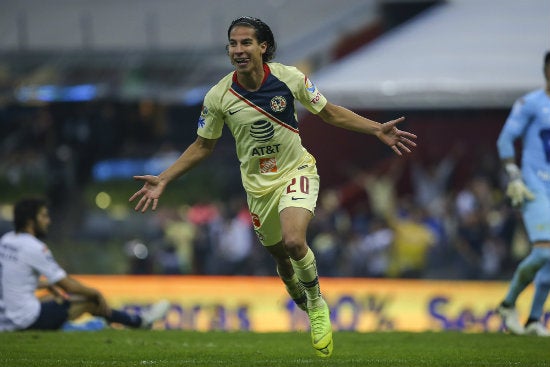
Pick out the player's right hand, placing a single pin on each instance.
(150, 192)
(518, 192)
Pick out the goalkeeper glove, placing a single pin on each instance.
(517, 191)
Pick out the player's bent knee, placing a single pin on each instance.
(296, 248)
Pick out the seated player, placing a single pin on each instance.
(24, 259)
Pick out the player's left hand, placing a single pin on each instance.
(399, 140)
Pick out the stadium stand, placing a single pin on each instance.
(170, 46)
(458, 54)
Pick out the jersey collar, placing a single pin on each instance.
(267, 71)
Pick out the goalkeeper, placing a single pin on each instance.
(529, 190)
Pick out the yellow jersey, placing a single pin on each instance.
(264, 124)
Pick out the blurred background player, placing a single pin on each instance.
(529, 189)
(280, 177)
(24, 258)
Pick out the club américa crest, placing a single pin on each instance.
(278, 103)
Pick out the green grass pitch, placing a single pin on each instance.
(126, 348)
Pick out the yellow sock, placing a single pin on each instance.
(306, 271)
(293, 286)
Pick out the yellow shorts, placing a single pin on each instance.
(300, 190)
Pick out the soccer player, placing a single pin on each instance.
(257, 103)
(529, 188)
(24, 258)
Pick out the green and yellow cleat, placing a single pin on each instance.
(321, 330)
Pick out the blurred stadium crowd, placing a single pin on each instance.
(391, 217)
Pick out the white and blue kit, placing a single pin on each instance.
(23, 258)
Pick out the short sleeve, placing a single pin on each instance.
(211, 120)
(307, 93)
(41, 259)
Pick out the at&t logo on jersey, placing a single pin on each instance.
(262, 131)
(278, 103)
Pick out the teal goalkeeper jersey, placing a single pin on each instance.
(264, 124)
(530, 121)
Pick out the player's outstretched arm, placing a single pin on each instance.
(153, 186)
(399, 140)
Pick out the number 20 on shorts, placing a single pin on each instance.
(303, 186)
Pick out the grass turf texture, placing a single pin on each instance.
(185, 348)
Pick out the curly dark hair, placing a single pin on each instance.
(25, 210)
(263, 34)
